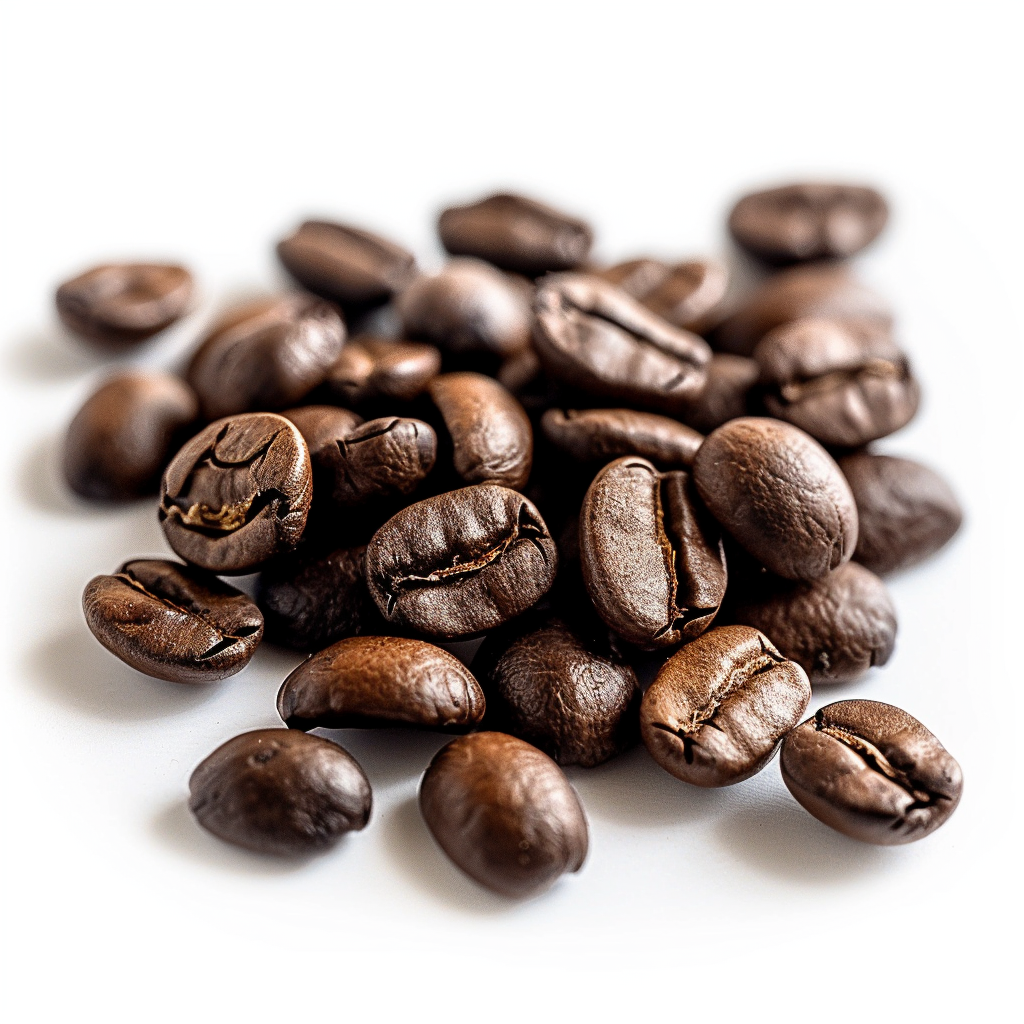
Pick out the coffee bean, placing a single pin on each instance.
(726, 395)
(266, 355)
(238, 493)
(173, 621)
(504, 813)
(280, 792)
(346, 264)
(718, 709)
(871, 771)
(808, 221)
(376, 369)
(780, 494)
(490, 433)
(116, 305)
(593, 336)
(568, 691)
(637, 277)
(461, 563)
(369, 681)
(322, 425)
(516, 233)
(519, 371)
(120, 440)
(907, 511)
(835, 627)
(844, 383)
(652, 558)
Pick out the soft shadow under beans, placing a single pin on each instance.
(389, 756)
(52, 356)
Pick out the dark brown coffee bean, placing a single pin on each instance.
(907, 511)
(567, 691)
(173, 621)
(725, 396)
(377, 369)
(519, 371)
(652, 558)
(461, 563)
(120, 440)
(593, 336)
(238, 493)
(491, 434)
(321, 426)
(346, 264)
(871, 771)
(504, 813)
(516, 233)
(780, 494)
(598, 435)
(718, 709)
(280, 792)
(370, 681)
(266, 355)
(844, 383)
(808, 221)
(116, 305)
(835, 628)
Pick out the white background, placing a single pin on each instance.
(201, 132)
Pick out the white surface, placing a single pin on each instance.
(201, 132)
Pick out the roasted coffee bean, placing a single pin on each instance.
(780, 494)
(120, 440)
(280, 792)
(835, 628)
(808, 221)
(637, 277)
(516, 233)
(844, 383)
(173, 621)
(505, 813)
(567, 691)
(490, 433)
(266, 355)
(377, 369)
(718, 709)
(469, 307)
(593, 336)
(519, 371)
(310, 600)
(369, 681)
(871, 771)
(116, 305)
(599, 435)
(812, 291)
(238, 493)
(652, 558)
(726, 395)
(906, 510)
(321, 426)
(346, 264)
(461, 563)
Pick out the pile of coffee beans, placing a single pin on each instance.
(594, 468)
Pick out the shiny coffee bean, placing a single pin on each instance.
(844, 383)
(779, 494)
(516, 233)
(718, 709)
(266, 355)
(369, 681)
(461, 563)
(599, 435)
(322, 425)
(835, 627)
(346, 264)
(907, 511)
(238, 493)
(377, 369)
(726, 395)
(173, 621)
(505, 813)
(491, 435)
(808, 221)
(120, 440)
(652, 557)
(568, 691)
(636, 277)
(593, 336)
(116, 305)
(871, 771)
(280, 792)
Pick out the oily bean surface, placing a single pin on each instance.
(726, 395)
(505, 813)
(872, 772)
(321, 426)
(718, 709)
(599, 435)
(373, 369)
(280, 792)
